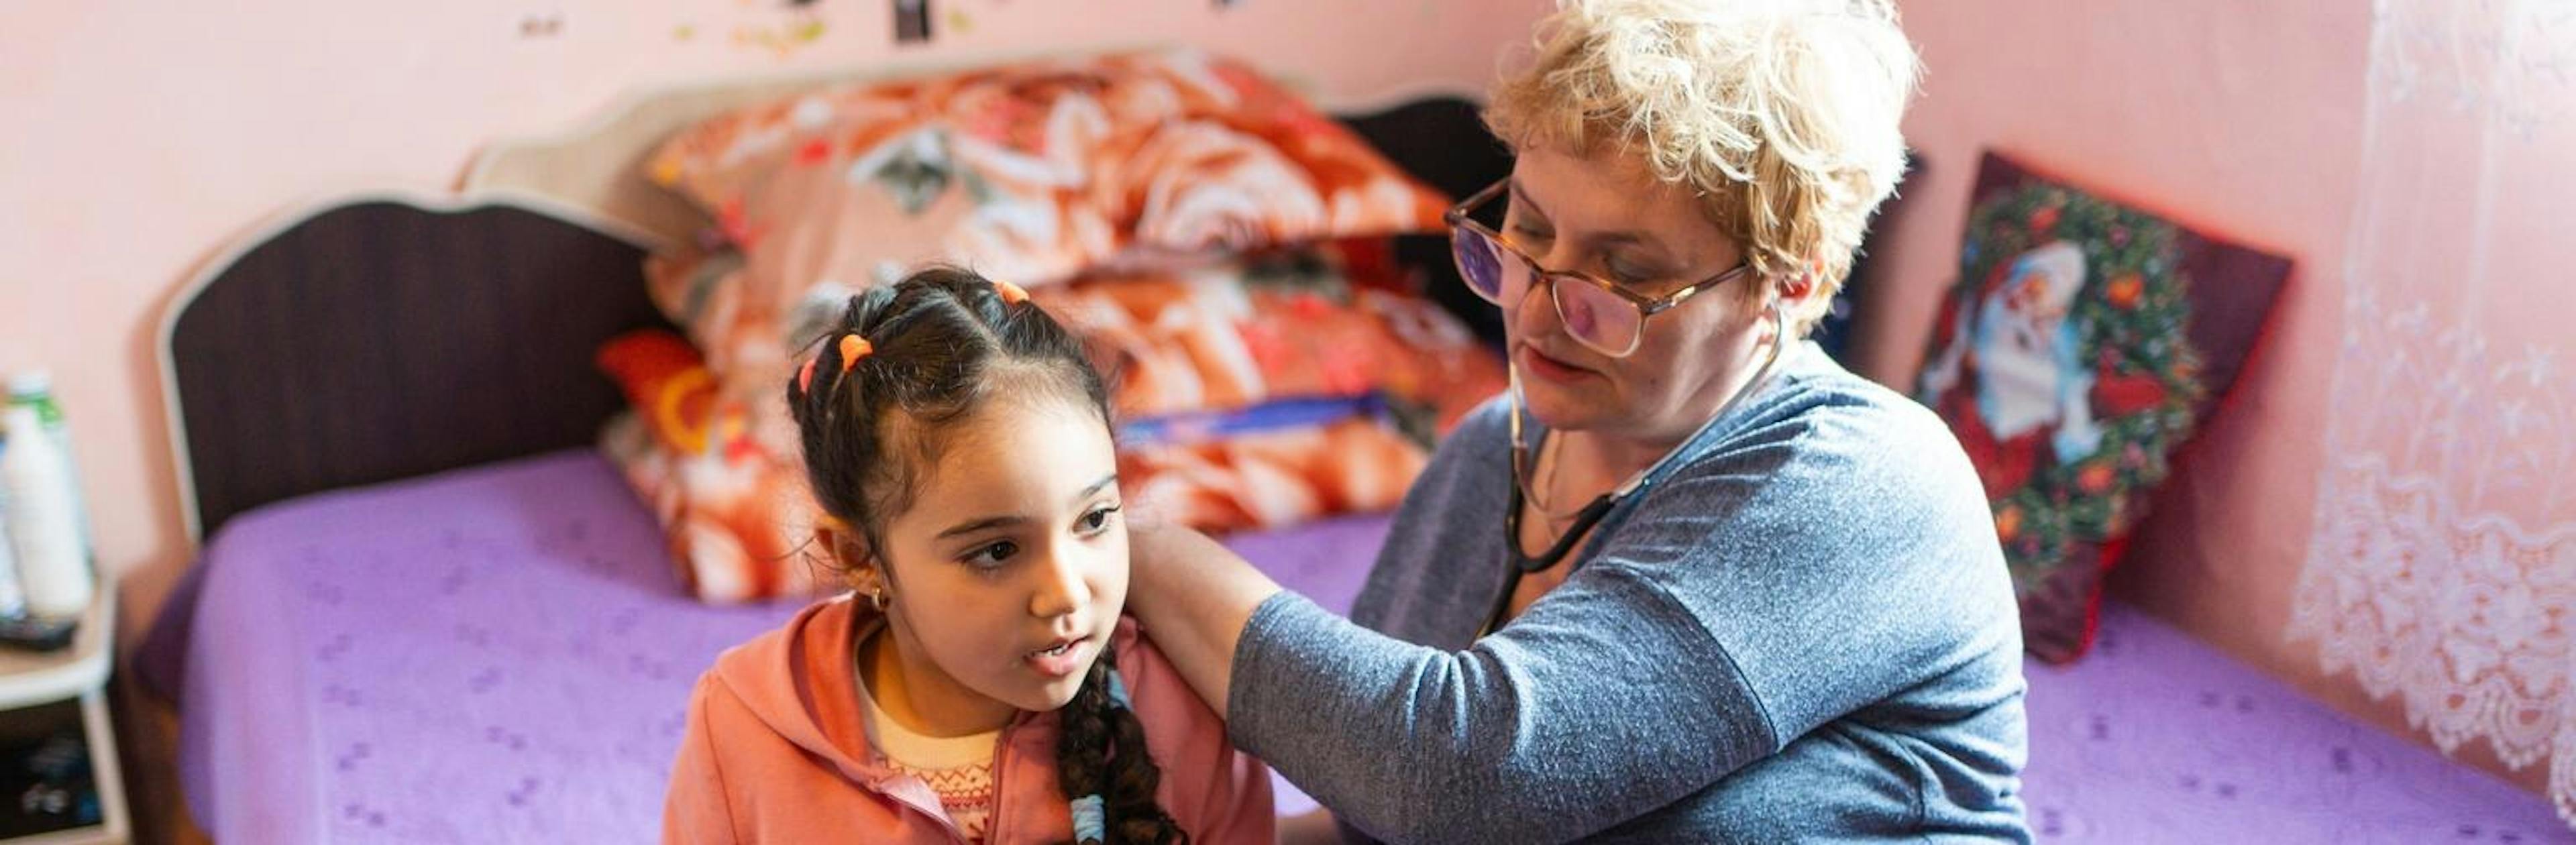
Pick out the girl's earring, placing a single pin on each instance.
(877, 596)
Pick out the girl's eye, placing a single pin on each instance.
(990, 555)
(1098, 519)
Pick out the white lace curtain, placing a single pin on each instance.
(2443, 565)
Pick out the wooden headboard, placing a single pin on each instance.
(380, 336)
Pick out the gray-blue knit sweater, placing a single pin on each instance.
(1802, 631)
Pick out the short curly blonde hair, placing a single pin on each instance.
(1781, 114)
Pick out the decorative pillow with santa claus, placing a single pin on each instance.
(2085, 343)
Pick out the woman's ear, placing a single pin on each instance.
(1796, 291)
(1800, 294)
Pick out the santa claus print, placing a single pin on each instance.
(2017, 351)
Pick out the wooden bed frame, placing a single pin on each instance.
(383, 335)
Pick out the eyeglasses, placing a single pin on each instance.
(1603, 315)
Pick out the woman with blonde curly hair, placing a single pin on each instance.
(1688, 580)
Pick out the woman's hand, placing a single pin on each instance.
(1313, 827)
(1193, 597)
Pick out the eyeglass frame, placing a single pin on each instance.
(1647, 306)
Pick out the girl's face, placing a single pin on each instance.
(1010, 565)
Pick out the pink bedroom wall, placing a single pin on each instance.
(2242, 117)
(142, 138)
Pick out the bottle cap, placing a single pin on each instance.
(30, 384)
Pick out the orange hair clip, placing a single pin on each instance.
(853, 348)
(1011, 293)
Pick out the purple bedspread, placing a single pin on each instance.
(502, 655)
(2155, 737)
(499, 654)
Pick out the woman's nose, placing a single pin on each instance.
(1535, 315)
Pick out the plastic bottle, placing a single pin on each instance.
(52, 567)
(35, 388)
(13, 599)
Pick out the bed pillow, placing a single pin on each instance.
(709, 469)
(2084, 345)
(1329, 319)
(1031, 172)
(1255, 394)
(1269, 466)
(1834, 331)
(1286, 324)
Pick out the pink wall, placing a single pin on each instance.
(142, 137)
(2243, 117)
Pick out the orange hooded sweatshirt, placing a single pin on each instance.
(777, 751)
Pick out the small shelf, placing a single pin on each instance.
(30, 678)
(74, 677)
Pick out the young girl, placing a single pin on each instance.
(980, 684)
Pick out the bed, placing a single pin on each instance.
(496, 654)
(428, 610)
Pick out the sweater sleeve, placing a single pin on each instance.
(1593, 707)
(1219, 794)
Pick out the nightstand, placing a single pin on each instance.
(59, 783)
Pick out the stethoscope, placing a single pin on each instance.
(1521, 563)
